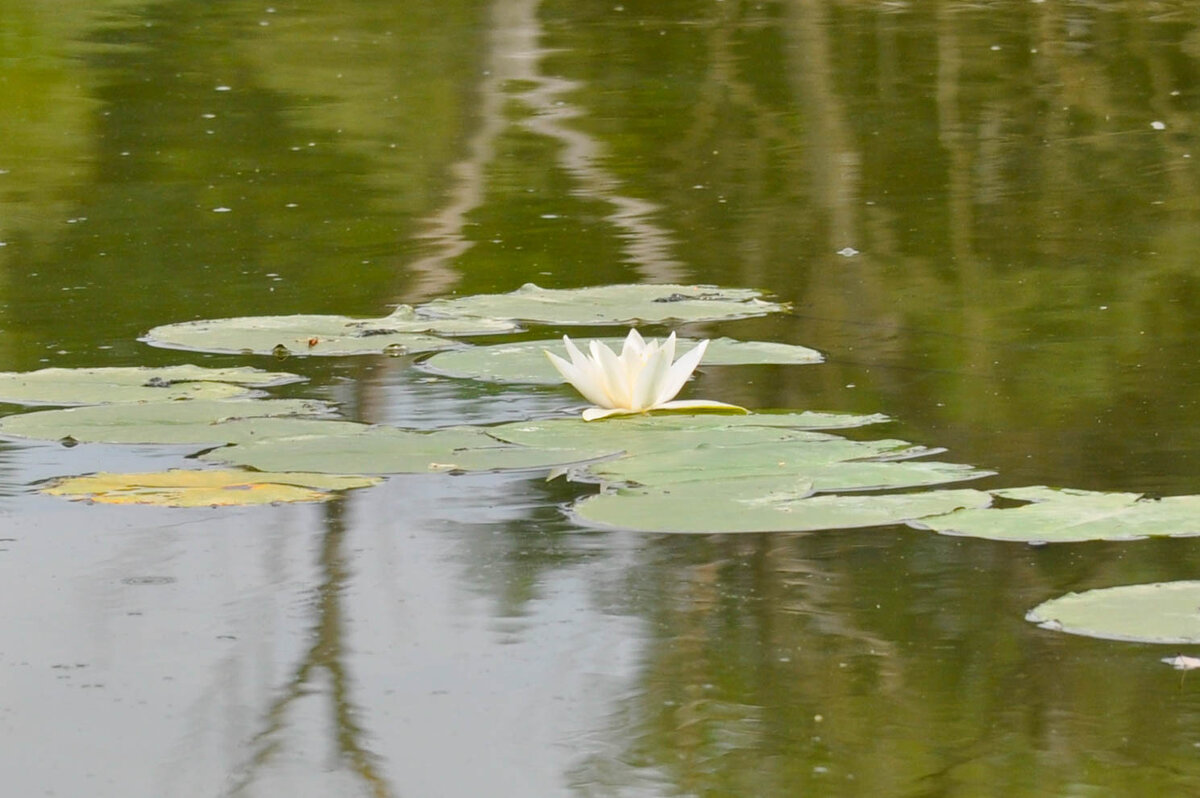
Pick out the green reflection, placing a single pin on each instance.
(223, 176)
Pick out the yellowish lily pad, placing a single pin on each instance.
(190, 488)
(60, 386)
(608, 304)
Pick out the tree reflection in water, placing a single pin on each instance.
(325, 657)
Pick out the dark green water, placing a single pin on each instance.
(987, 215)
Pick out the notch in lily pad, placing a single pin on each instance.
(608, 304)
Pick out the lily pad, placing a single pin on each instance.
(403, 332)
(59, 386)
(640, 438)
(189, 488)
(829, 464)
(665, 450)
(1160, 612)
(771, 504)
(197, 421)
(1066, 516)
(608, 304)
(366, 449)
(526, 362)
(653, 432)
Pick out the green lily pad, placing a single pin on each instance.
(608, 304)
(526, 362)
(197, 421)
(365, 449)
(664, 450)
(770, 504)
(59, 386)
(653, 432)
(189, 488)
(830, 464)
(1066, 516)
(1161, 612)
(402, 332)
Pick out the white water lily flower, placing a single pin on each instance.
(642, 378)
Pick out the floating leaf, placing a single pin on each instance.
(188, 488)
(366, 449)
(663, 450)
(403, 332)
(773, 504)
(197, 421)
(1160, 612)
(827, 463)
(59, 386)
(654, 432)
(1065, 516)
(608, 304)
(526, 362)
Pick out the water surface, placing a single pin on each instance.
(985, 214)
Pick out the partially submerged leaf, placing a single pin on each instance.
(771, 504)
(197, 421)
(60, 386)
(366, 449)
(1066, 516)
(403, 332)
(526, 362)
(608, 304)
(189, 488)
(1160, 612)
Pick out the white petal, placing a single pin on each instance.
(582, 381)
(634, 343)
(597, 413)
(580, 360)
(668, 346)
(616, 380)
(647, 384)
(679, 372)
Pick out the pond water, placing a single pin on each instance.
(986, 215)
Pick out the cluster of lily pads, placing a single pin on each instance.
(697, 473)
